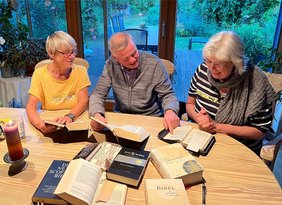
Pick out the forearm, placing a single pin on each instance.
(190, 109)
(34, 117)
(243, 132)
(82, 103)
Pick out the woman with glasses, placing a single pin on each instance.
(59, 84)
(229, 94)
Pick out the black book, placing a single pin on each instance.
(44, 194)
(129, 166)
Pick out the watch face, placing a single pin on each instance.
(71, 116)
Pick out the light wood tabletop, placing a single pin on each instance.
(233, 173)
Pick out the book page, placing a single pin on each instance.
(104, 155)
(50, 122)
(131, 132)
(107, 125)
(197, 140)
(109, 192)
(79, 182)
(179, 133)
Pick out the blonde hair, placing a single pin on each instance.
(58, 40)
(226, 46)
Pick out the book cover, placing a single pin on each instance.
(129, 132)
(44, 194)
(174, 162)
(129, 166)
(192, 139)
(165, 192)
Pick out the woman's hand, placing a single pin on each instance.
(205, 122)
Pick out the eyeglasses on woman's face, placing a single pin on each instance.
(211, 64)
(68, 54)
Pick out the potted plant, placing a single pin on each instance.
(273, 63)
(12, 35)
(33, 52)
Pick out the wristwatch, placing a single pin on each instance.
(71, 116)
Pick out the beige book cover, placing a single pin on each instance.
(129, 132)
(165, 192)
(174, 162)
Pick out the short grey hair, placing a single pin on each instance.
(119, 41)
(226, 46)
(58, 40)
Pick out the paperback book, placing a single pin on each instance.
(129, 166)
(192, 139)
(44, 194)
(129, 132)
(174, 162)
(165, 192)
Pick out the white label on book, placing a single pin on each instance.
(131, 160)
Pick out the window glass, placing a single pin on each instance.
(197, 20)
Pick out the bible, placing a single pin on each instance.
(84, 183)
(73, 126)
(192, 139)
(129, 132)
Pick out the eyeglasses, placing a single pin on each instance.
(216, 65)
(67, 55)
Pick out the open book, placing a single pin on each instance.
(191, 138)
(84, 183)
(74, 126)
(130, 132)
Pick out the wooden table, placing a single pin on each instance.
(234, 174)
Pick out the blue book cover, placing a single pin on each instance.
(129, 166)
(44, 194)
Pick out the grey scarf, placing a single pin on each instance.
(249, 92)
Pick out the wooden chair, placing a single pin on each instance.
(169, 66)
(77, 61)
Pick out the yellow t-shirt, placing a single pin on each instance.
(56, 94)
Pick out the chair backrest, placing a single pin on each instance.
(277, 163)
(77, 61)
(82, 62)
(139, 36)
(42, 63)
(169, 67)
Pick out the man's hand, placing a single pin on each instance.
(171, 120)
(95, 125)
(46, 128)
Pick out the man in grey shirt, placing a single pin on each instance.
(139, 82)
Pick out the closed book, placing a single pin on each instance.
(44, 194)
(165, 192)
(129, 166)
(174, 162)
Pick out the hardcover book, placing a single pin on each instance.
(165, 192)
(174, 162)
(85, 184)
(73, 126)
(192, 139)
(129, 132)
(129, 166)
(44, 194)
